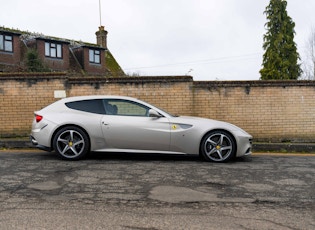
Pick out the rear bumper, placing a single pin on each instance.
(42, 147)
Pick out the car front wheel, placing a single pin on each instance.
(218, 146)
(71, 143)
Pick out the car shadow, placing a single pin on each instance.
(121, 156)
(154, 157)
(141, 157)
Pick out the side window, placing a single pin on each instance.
(53, 50)
(90, 106)
(6, 43)
(95, 56)
(125, 108)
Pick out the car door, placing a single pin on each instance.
(127, 125)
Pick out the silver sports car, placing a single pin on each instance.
(75, 126)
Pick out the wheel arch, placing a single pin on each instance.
(66, 125)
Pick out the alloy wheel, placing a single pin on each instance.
(218, 146)
(71, 143)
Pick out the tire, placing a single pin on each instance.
(71, 143)
(218, 146)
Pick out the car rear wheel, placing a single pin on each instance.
(71, 143)
(218, 146)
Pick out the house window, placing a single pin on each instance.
(53, 50)
(6, 43)
(95, 56)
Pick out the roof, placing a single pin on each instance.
(38, 36)
(111, 64)
(52, 39)
(10, 31)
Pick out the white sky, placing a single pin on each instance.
(207, 39)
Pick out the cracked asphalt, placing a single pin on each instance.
(138, 191)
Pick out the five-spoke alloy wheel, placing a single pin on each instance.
(71, 143)
(218, 146)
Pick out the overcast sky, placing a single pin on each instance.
(207, 39)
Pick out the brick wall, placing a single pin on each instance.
(270, 111)
(169, 93)
(20, 96)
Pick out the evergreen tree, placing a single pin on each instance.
(280, 61)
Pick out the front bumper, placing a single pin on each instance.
(244, 146)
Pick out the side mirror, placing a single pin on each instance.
(153, 113)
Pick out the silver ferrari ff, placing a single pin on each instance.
(74, 126)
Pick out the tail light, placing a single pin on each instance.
(38, 118)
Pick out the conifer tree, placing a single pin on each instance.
(280, 60)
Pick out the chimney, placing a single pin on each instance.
(101, 37)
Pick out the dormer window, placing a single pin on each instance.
(53, 50)
(6, 43)
(94, 56)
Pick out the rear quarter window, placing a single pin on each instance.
(90, 106)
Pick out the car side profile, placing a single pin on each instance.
(75, 126)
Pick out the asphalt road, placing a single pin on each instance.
(142, 192)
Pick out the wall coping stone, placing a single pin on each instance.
(148, 79)
(32, 76)
(254, 83)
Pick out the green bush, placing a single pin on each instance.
(34, 63)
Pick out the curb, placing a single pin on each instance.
(284, 147)
(15, 143)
